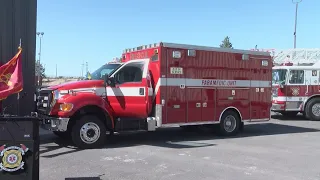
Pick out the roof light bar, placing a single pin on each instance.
(141, 47)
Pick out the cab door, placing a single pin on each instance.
(130, 95)
(149, 89)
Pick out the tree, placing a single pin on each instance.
(40, 68)
(226, 43)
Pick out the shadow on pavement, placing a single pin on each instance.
(299, 117)
(55, 144)
(178, 138)
(175, 137)
(84, 178)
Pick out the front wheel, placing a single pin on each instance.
(313, 109)
(89, 132)
(230, 123)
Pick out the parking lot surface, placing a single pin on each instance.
(280, 149)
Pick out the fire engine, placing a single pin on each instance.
(296, 89)
(162, 85)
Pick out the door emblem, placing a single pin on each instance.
(295, 91)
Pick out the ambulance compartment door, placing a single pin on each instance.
(176, 87)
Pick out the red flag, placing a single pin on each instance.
(11, 81)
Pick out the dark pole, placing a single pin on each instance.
(40, 35)
(295, 23)
(87, 67)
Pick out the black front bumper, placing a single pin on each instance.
(53, 123)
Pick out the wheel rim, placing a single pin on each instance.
(90, 133)
(230, 123)
(316, 109)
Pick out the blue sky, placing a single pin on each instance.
(97, 31)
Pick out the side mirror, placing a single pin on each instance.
(109, 81)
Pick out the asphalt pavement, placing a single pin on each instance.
(281, 149)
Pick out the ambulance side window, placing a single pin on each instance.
(296, 77)
(129, 73)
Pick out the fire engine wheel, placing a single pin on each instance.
(313, 109)
(89, 132)
(230, 123)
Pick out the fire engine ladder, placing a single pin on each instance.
(297, 56)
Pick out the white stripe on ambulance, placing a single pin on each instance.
(213, 82)
(216, 83)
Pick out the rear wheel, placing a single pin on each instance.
(230, 123)
(313, 109)
(89, 132)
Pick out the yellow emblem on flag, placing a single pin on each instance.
(5, 78)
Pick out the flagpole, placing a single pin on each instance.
(18, 95)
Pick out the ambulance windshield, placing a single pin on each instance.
(278, 76)
(105, 69)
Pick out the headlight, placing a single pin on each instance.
(56, 94)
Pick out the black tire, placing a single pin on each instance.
(63, 135)
(309, 114)
(96, 127)
(241, 127)
(305, 115)
(229, 130)
(289, 113)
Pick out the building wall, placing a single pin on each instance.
(18, 21)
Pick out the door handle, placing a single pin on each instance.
(141, 91)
